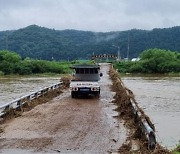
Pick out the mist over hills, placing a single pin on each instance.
(43, 43)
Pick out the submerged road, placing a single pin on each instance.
(81, 125)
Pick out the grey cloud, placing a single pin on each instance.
(93, 15)
(152, 6)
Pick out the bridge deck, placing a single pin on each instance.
(68, 125)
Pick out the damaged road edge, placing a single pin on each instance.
(137, 140)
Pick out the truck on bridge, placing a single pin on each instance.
(86, 80)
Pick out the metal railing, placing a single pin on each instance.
(17, 103)
(146, 128)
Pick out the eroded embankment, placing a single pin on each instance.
(136, 141)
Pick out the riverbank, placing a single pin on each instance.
(166, 75)
(32, 75)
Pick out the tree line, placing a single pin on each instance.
(152, 61)
(12, 63)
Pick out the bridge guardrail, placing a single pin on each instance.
(17, 103)
(146, 129)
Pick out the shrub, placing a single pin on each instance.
(1, 73)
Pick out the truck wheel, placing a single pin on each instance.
(73, 94)
(98, 94)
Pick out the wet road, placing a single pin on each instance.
(159, 97)
(82, 125)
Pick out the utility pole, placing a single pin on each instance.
(128, 48)
(119, 57)
(118, 52)
(7, 46)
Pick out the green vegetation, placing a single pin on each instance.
(1, 73)
(49, 44)
(176, 150)
(12, 63)
(152, 61)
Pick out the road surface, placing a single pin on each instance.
(66, 125)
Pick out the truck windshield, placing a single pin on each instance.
(86, 71)
(87, 74)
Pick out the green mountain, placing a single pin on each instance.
(43, 43)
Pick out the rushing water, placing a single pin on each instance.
(160, 99)
(13, 88)
(158, 96)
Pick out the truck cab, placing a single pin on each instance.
(86, 80)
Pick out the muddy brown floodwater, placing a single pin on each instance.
(14, 87)
(82, 125)
(160, 99)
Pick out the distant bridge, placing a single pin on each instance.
(105, 56)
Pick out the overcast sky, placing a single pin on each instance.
(91, 15)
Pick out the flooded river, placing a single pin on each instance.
(13, 88)
(160, 99)
(158, 96)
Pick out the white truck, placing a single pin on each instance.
(86, 80)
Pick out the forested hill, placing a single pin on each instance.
(43, 43)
